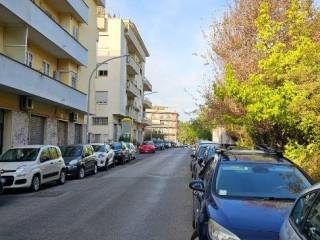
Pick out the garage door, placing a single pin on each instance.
(62, 133)
(78, 134)
(36, 130)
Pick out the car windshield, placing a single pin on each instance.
(71, 151)
(98, 148)
(116, 146)
(259, 180)
(20, 155)
(148, 143)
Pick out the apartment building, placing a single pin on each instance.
(47, 49)
(121, 83)
(164, 121)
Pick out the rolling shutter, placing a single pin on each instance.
(36, 130)
(62, 133)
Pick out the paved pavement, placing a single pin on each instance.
(146, 199)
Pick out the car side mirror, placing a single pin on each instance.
(192, 155)
(197, 185)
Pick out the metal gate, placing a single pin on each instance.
(78, 134)
(62, 133)
(36, 130)
(1, 129)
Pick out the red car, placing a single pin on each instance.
(147, 147)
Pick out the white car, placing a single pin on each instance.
(104, 155)
(31, 166)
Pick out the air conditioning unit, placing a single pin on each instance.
(73, 117)
(26, 103)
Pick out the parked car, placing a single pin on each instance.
(159, 144)
(104, 155)
(245, 194)
(121, 152)
(147, 147)
(132, 151)
(198, 157)
(167, 144)
(80, 160)
(32, 166)
(303, 222)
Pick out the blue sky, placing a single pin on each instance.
(172, 31)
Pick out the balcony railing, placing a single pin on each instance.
(132, 90)
(80, 9)
(133, 66)
(147, 86)
(22, 79)
(147, 103)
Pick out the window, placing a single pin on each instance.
(100, 121)
(74, 79)
(103, 73)
(29, 59)
(311, 228)
(46, 68)
(53, 153)
(301, 209)
(45, 155)
(102, 97)
(75, 32)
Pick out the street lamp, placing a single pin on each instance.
(89, 88)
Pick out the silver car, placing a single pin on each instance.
(303, 223)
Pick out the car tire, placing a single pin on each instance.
(95, 169)
(195, 236)
(81, 173)
(62, 178)
(35, 183)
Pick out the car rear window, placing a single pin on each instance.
(148, 143)
(260, 180)
(116, 146)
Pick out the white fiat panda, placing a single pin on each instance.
(31, 166)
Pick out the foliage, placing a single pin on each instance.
(275, 101)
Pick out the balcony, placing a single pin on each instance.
(132, 90)
(132, 66)
(20, 79)
(147, 103)
(147, 85)
(146, 122)
(43, 30)
(77, 8)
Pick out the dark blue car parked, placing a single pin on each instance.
(245, 194)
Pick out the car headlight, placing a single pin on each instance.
(217, 232)
(22, 170)
(73, 162)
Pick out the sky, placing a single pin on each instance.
(172, 32)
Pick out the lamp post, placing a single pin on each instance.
(89, 89)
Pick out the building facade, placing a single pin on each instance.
(164, 121)
(121, 83)
(47, 49)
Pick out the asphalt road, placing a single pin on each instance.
(147, 199)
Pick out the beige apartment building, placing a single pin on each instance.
(164, 121)
(120, 84)
(47, 51)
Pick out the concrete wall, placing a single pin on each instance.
(219, 135)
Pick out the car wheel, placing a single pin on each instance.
(195, 236)
(106, 165)
(35, 184)
(81, 173)
(62, 178)
(95, 169)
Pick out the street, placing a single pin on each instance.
(145, 199)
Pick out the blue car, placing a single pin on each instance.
(245, 194)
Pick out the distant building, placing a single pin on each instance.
(163, 121)
(220, 135)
